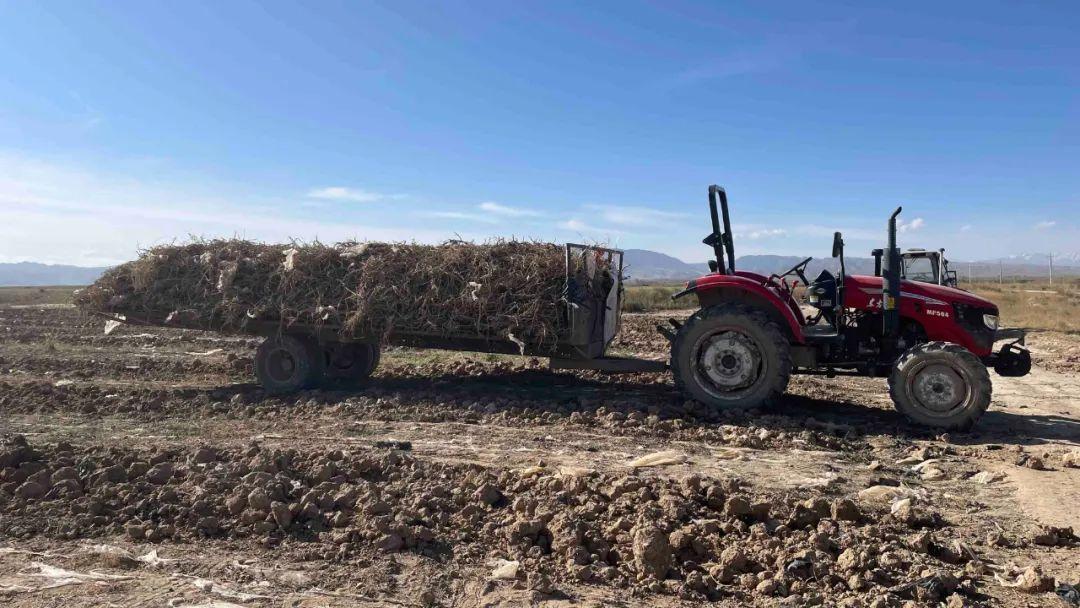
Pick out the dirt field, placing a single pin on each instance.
(144, 468)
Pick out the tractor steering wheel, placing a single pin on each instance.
(797, 269)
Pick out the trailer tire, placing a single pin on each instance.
(285, 364)
(746, 363)
(349, 364)
(940, 384)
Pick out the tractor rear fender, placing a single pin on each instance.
(721, 288)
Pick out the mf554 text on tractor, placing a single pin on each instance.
(933, 341)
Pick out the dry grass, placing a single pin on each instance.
(646, 298)
(1035, 305)
(36, 295)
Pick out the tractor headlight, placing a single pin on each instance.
(991, 321)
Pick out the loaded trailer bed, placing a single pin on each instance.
(300, 355)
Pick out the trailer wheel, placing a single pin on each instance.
(940, 384)
(284, 364)
(731, 356)
(350, 363)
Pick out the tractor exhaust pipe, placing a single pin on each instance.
(890, 287)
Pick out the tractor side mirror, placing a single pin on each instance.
(837, 245)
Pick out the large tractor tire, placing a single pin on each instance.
(285, 364)
(349, 364)
(731, 356)
(940, 384)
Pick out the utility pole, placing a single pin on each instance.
(1001, 273)
(1051, 258)
(970, 280)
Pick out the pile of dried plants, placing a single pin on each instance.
(498, 290)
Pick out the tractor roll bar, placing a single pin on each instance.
(718, 240)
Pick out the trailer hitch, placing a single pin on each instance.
(669, 332)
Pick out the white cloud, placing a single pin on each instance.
(1045, 225)
(764, 233)
(352, 195)
(826, 232)
(965, 228)
(911, 226)
(67, 214)
(497, 209)
(634, 216)
(458, 215)
(574, 224)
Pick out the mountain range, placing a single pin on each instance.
(640, 266)
(33, 274)
(644, 266)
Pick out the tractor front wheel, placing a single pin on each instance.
(940, 384)
(731, 356)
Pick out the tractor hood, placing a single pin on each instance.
(948, 295)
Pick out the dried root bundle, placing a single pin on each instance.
(494, 290)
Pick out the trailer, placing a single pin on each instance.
(299, 356)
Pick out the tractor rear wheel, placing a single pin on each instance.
(284, 364)
(731, 356)
(940, 384)
(350, 364)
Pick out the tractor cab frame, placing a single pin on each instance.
(922, 266)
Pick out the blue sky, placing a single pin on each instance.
(125, 124)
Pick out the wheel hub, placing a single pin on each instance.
(730, 360)
(939, 388)
(281, 365)
(343, 359)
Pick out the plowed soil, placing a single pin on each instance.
(145, 468)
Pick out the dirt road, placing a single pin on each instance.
(143, 468)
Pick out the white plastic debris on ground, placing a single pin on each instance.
(573, 471)
(504, 570)
(212, 351)
(15, 551)
(987, 477)
(830, 478)
(179, 603)
(122, 556)
(657, 459)
(885, 494)
(209, 586)
(51, 577)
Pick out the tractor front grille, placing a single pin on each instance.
(971, 319)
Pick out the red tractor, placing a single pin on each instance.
(934, 342)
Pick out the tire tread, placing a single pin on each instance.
(772, 331)
(977, 371)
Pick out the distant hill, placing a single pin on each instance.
(33, 274)
(651, 266)
(768, 264)
(643, 265)
(1061, 260)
